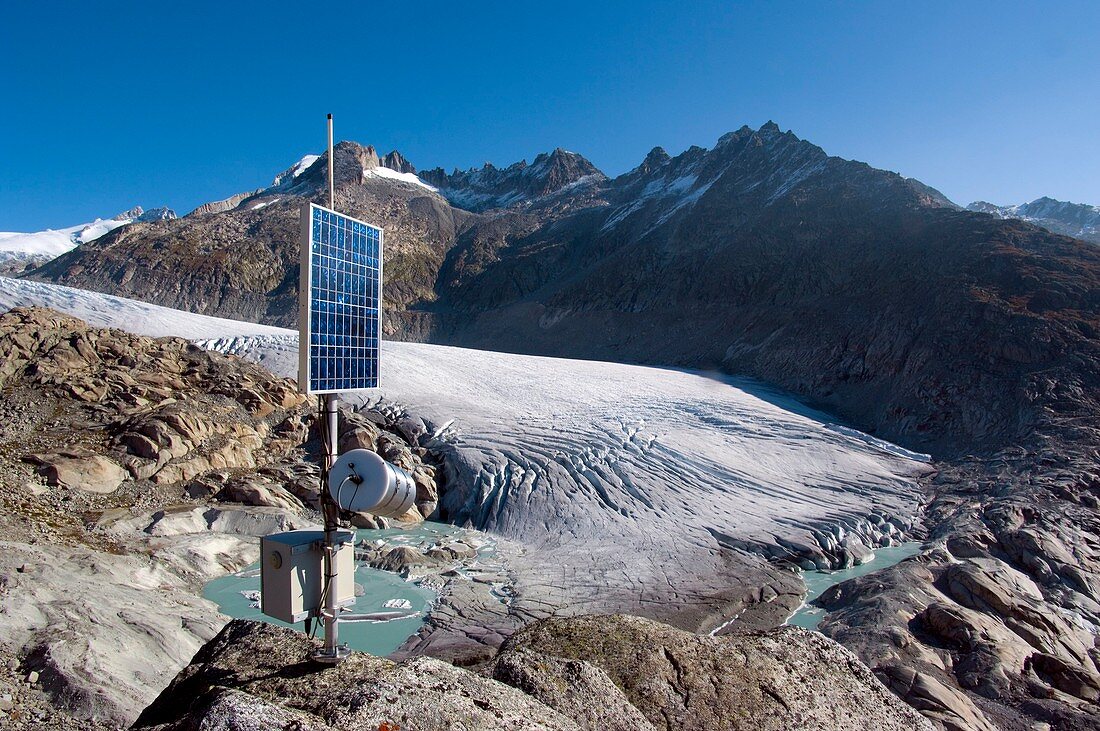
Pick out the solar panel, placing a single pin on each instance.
(340, 293)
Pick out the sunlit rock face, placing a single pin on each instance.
(593, 672)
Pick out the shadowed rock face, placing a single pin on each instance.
(592, 673)
(489, 187)
(863, 290)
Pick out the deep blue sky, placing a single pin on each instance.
(108, 105)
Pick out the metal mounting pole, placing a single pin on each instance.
(331, 177)
(332, 652)
(332, 403)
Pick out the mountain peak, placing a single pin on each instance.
(656, 157)
(737, 135)
(1078, 220)
(479, 189)
(161, 213)
(129, 215)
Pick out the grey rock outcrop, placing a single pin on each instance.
(595, 672)
(782, 679)
(996, 622)
(268, 669)
(575, 688)
(225, 204)
(91, 473)
(132, 471)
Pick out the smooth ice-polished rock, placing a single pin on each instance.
(99, 628)
(598, 673)
(91, 473)
(787, 678)
(268, 668)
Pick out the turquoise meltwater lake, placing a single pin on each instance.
(817, 582)
(237, 595)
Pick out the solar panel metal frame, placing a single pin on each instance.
(305, 302)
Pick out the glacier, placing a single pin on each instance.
(629, 488)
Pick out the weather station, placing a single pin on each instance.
(309, 574)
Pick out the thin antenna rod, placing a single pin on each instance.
(331, 183)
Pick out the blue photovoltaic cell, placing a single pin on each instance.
(344, 293)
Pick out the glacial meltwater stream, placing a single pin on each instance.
(237, 595)
(817, 582)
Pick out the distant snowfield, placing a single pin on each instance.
(53, 243)
(618, 465)
(103, 310)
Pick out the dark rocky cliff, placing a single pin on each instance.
(865, 291)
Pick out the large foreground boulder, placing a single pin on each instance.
(261, 673)
(787, 678)
(612, 673)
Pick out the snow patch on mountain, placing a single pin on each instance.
(792, 178)
(295, 170)
(104, 310)
(675, 190)
(261, 204)
(473, 199)
(408, 178)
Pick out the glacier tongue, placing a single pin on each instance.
(634, 488)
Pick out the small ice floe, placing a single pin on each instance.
(253, 597)
(503, 592)
(397, 604)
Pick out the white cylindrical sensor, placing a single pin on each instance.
(362, 482)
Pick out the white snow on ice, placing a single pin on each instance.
(104, 310)
(548, 449)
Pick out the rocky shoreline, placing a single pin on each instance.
(998, 621)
